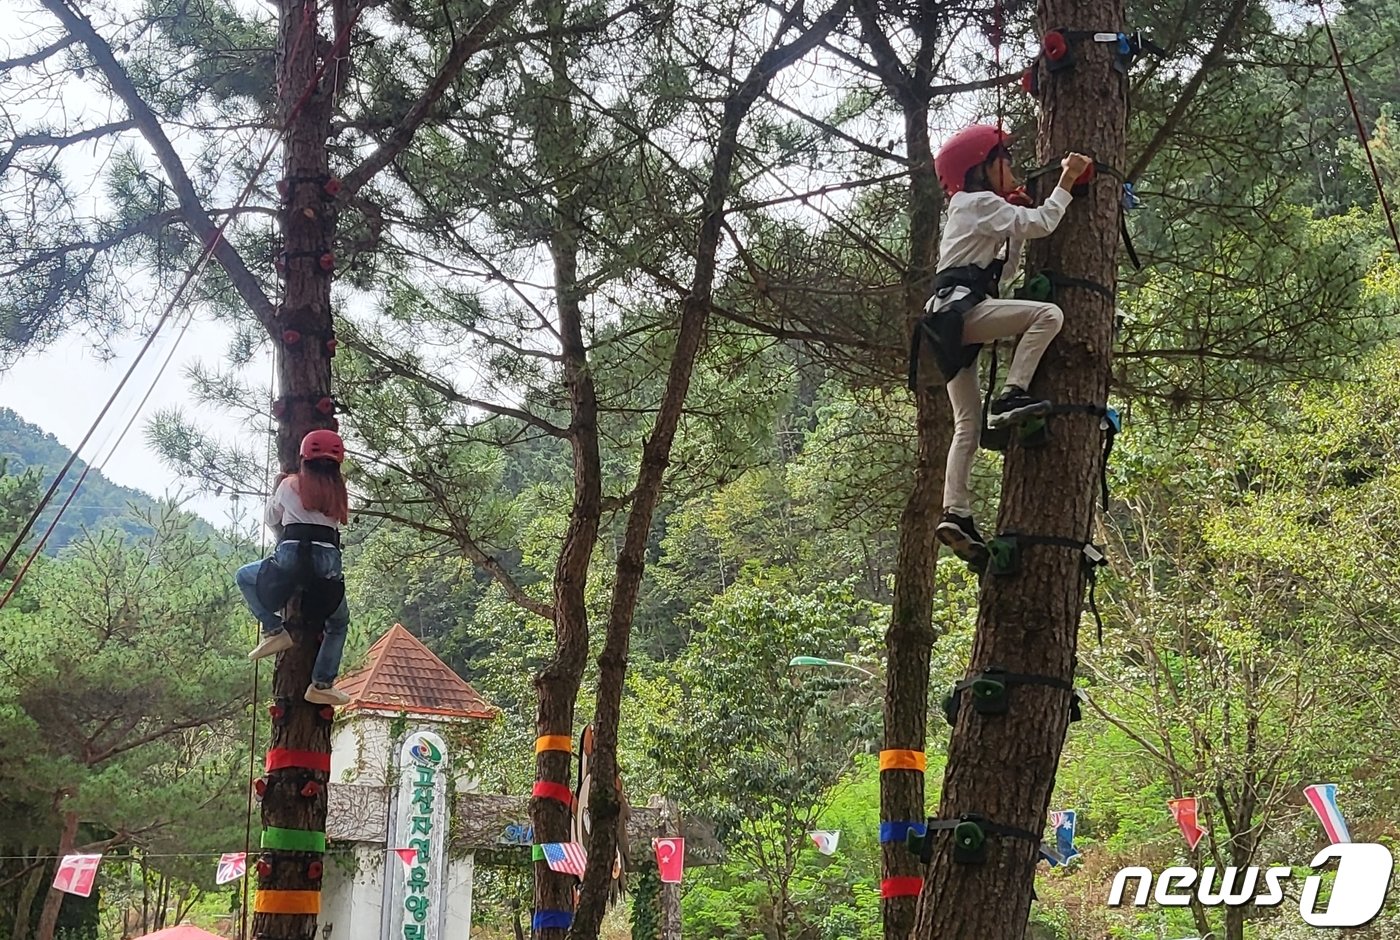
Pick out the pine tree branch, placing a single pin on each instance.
(36, 141)
(1212, 60)
(448, 392)
(146, 121)
(39, 55)
(463, 48)
(476, 554)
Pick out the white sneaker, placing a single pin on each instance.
(326, 696)
(272, 644)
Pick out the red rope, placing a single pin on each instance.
(1360, 126)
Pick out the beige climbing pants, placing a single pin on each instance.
(1037, 323)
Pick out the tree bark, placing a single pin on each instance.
(48, 918)
(909, 639)
(303, 379)
(1003, 767)
(604, 800)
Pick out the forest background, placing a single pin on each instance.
(1249, 643)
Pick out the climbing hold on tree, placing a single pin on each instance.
(1003, 554)
(1055, 47)
(291, 337)
(969, 843)
(332, 187)
(1038, 288)
(327, 261)
(326, 405)
(331, 344)
(260, 787)
(279, 407)
(314, 870)
(326, 713)
(276, 711)
(310, 788)
(264, 868)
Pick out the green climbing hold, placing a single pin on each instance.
(1003, 555)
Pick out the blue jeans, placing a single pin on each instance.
(325, 563)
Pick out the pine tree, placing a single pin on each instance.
(1002, 767)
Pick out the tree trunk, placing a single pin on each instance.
(28, 891)
(604, 800)
(909, 639)
(48, 918)
(559, 683)
(1003, 767)
(304, 379)
(670, 912)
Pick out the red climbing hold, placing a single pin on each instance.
(279, 408)
(260, 787)
(331, 344)
(326, 406)
(332, 187)
(277, 712)
(328, 261)
(310, 789)
(1086, 177)
(291, 337)
(264, 868)
(327, 713)
(314, 870)
(1055, 46)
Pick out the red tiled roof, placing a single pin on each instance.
(403, 675)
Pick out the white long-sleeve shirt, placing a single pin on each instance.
(980, 223)
(285, 508)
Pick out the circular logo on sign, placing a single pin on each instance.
(425, 753)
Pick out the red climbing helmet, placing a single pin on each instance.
(323, 444)
(966, 149)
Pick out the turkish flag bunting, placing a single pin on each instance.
(670, 859)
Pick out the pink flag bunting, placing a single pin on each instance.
(409, 857)
(670, 859)
(232, 866)
(1184, 811)
(76, 874)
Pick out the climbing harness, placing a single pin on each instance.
(320, 596)
(1004, 559)
(991, 693)
(970, 832)
(942, 329)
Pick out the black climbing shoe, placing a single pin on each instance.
(960, 534)
(1015, 405)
